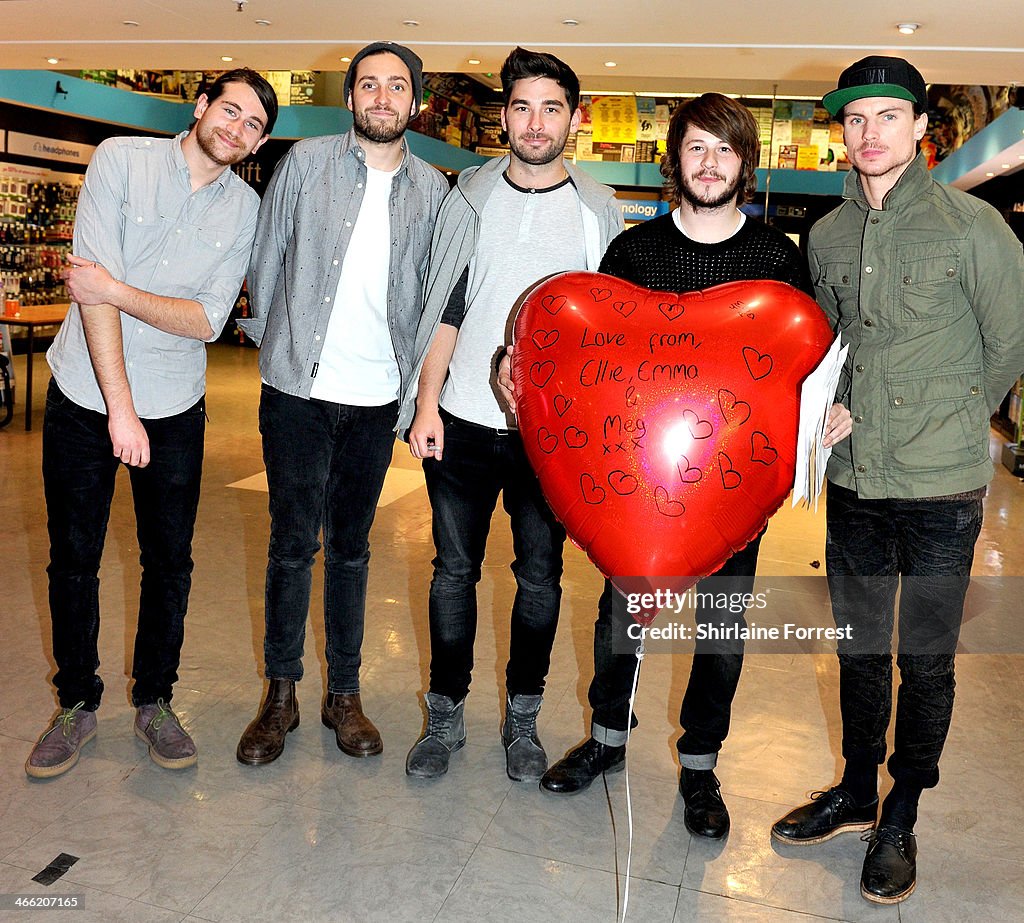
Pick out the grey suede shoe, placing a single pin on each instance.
(445, 733)
(169, 743)
(525, 759)
(57, 750)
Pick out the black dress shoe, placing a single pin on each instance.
(706, 814)
(825, 816)
(890, 866)
(578, 768)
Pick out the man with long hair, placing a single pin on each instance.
(711, 154)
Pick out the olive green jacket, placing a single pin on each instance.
(928, 292)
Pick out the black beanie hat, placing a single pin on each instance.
(408, 56)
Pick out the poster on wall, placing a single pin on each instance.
(646, 119)
(614, 119)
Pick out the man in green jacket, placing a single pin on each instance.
(925, 284)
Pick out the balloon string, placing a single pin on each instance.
(629, 800)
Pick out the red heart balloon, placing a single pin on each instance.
(663, 426)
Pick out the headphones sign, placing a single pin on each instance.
(48, 148)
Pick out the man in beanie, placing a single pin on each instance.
(335, 284)
(924, 283)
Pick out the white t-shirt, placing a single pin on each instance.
(357, 363)
(524, 236)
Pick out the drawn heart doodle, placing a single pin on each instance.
(758, 364)
(575, 438)
(736, 412)
(622, 483)
(553, 303)
(731, 478)
(542, 339)
(547, 440)
(671, 310)
(562, 404)
(699, 429)
(760, 449)
(665, 505)
(541, 373)
(689, 406)
(688, 474)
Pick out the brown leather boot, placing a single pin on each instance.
(263, 740)
(343, 713)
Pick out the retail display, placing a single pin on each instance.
(35, 236)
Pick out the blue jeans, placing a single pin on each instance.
(478, 463)
(326, 465)
(926, 548)
(78, 479)
(714, 675)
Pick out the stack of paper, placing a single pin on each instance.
(816, 398)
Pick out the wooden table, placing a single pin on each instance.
(32, 316)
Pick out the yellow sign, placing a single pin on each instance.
(614, 119)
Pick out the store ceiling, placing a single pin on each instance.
(658, 45)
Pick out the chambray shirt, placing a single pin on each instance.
(305, 225)
(138, 217)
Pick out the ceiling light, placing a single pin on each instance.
(1020, 156)
(226, 58)
(610, 64)
(262, 22)
(1005, 166)
(907, 28)
(990, 174)
(410, 22)
(346, 60)
(473, 61)
(570, 22)
(53, 60)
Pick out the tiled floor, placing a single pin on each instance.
(320, 836)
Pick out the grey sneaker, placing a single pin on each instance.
(525, 759)
(169, 743)
(57, 750)
(445, 733)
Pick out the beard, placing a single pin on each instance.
(693, 196)
(213, 148)
(538, 156)
(379, 131)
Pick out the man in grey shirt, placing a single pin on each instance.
(506, 225)
(162, 238)
(335, 282)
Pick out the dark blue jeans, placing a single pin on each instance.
(714, 676)
(479, 463)
(78, 479)
(326, 465)
(925, 548)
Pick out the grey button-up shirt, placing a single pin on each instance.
(305, 225)
(138, 217)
